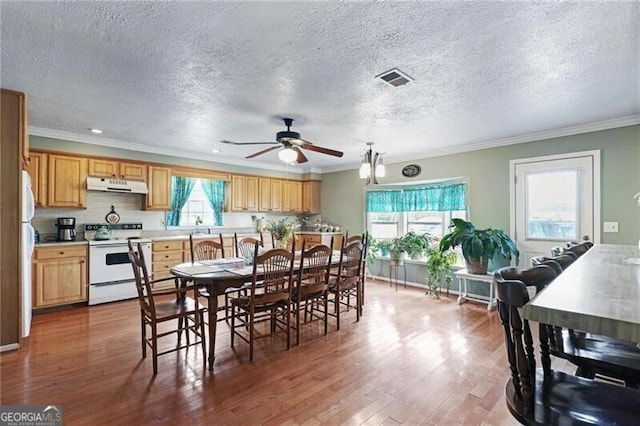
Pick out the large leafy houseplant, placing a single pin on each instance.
(416, 245)
(478, 245)
(439, 267)
(397, 250)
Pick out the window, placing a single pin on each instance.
(552, 205)
(391, 225)
(196, 206)
(196, 202)
(424, 208)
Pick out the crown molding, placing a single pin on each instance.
(596, 126)
(150, 149)
(494, 143)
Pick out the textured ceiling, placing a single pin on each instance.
(177, 77)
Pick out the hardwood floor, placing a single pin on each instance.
(410, 360)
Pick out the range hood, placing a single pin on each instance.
(116, 185)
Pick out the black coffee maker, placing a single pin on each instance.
(66, 228)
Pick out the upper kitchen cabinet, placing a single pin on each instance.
(37, 169)
(311, 197)
(244, 193)
(66, 179)
(291, 196)
(270, 195)
(117, 169)
(159, 181)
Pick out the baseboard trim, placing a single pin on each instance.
(10, 347)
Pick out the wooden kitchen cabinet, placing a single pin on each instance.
(117, 169)
(37, 169)
(159, 196)
(311, 197)
(164, 255)
(66, 178)
(59, 275)
(292, 196)
(315, 238)
(244, 193)
(270, 195)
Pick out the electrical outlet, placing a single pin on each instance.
(610, 227)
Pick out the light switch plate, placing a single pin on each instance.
(610, 227)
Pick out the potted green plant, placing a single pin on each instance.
(397, 250)
(373, 250)
(439, 267)
(416, 245)
(384, 246)
(478, 245)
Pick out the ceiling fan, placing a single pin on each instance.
(291, 142)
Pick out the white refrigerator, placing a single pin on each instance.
(28, 242)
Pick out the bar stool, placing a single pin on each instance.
(394, 265)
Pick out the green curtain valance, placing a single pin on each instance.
(427, 198)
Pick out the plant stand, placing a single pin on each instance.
(463, 276)
(393, 267)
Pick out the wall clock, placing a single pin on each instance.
(412, 170)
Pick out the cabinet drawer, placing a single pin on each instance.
(167, 256)
(161, 269)
(167, 245)
(61, 252)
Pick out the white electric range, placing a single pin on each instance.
(110, 273)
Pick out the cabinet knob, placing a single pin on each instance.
(61, 252)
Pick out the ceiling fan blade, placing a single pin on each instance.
(301, 157)
(249, 143)
(264, 151)
(312, 147)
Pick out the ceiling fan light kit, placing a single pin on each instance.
(288, 155)
(292, 142)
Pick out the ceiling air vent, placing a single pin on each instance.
(394, 77)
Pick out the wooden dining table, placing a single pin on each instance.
(598, 293)
(217, 276)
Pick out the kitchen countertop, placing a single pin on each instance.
(62, 243)
(318, 232)
(200, 236)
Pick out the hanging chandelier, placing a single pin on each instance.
(372, 166)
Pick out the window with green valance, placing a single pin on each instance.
(392, 212)
(443, 197)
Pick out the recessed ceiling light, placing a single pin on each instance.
(96, 131)
(215, 151)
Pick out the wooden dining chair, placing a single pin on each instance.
(245, 246)
(210, 249)
(364, 239)
(346, 288)
(206, 249)
(269, 298)
(561, 261)
(543, 396)
(186, 310)
(591, 354)
(312, 285)
(578, 249)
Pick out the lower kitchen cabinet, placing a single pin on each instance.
(164, 255)
(59, 275)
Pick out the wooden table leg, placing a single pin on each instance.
(212, 307)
